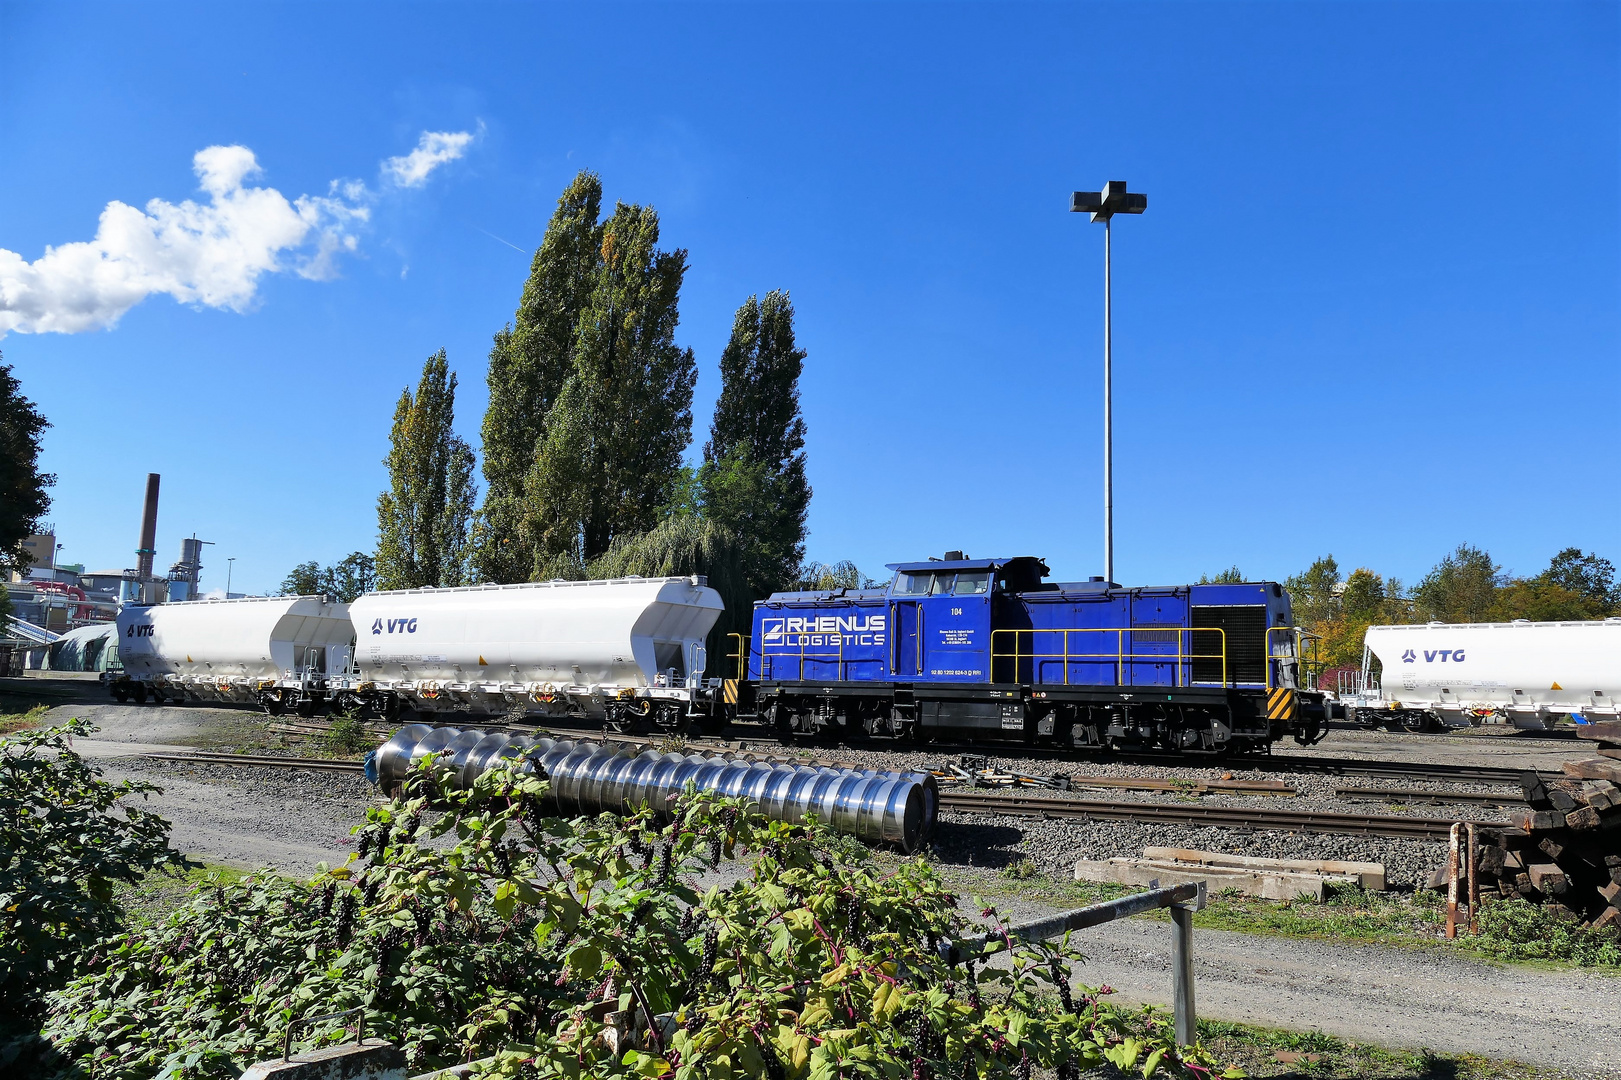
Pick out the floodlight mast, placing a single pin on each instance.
(1103, 205)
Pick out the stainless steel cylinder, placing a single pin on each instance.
(892, 808)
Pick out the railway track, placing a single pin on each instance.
(1225, 817)
(770, 747)
(203, 757)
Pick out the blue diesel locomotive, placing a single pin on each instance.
(988, 649)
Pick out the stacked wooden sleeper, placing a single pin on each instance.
(1565, 847)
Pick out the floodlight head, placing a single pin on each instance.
(1113, 199)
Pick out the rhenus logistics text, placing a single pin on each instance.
(825, 630)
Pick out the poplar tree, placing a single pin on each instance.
(610, 456)
(753, 476)
(423, 519)
(529, 362)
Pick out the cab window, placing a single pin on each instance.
(912, 584)
(942, 584)
(973, 584)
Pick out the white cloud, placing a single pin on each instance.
(210, 253)
(433, 150)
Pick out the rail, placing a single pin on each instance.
(1225, 817)
(1182, 660)
(1183, 900)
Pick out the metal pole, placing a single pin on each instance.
(1474, 884)
(230, 565)
(1452, 883)
(1182, 974)
(1108, 418)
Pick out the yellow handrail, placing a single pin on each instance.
(1120, 656)
(1299, 654)
(741, 655)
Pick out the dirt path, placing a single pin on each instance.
(1375, 994)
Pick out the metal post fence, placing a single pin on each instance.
(1183, 900)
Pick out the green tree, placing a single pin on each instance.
(610, 457)
(753, 476)
(1586, 575)
(66, 838)
(1460, 588)
(689, 544)
(529, 362)
(830, 577)
(303, 580)
(1314, 594)
(23, 498)
(354, 574)
(1230, 576)
(422, 520)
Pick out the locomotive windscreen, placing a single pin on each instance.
(1244, 630)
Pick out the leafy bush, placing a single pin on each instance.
(1516, 930)
(347, 735)
(66, 838)
(542, 941)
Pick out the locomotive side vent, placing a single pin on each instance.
(1245, 628)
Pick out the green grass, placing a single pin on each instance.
(1276, 1053)
(157, 894)
(31, 718)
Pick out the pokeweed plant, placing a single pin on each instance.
(472, 924)
(67, 837)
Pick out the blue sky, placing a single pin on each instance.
(1374, 307)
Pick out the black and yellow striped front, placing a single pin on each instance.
(1281, 703)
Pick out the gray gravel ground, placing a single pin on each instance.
(1055, 845)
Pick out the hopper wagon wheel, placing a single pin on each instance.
(306, 708)
(120, 694)
(140, 693)
(272, 703)
(1418, 722)
(671, 718)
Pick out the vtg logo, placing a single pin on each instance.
(395, 626)
(1456, 656)
(139, 630)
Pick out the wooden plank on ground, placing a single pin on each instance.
(1371, 875)
(1278, 885)
(1601, 730)
(1599, 768)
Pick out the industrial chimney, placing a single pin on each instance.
(149, 531)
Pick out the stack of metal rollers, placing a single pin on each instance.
(896, 809)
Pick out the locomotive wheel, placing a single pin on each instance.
(779, 720)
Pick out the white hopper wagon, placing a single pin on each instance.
(1457, 675)
(276, 651)
(623, 651)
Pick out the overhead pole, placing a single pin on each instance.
(1103, 205)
